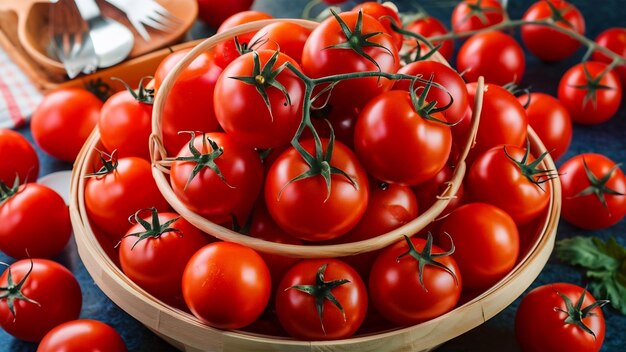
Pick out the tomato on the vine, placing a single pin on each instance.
(429, 27)
(82, 335)
(613, 39)
(469, 15)
(19, 158)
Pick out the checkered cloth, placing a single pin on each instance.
(18, 96)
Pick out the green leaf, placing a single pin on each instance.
(586, 252)
(606, 285)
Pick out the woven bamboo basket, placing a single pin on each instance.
(187, 333)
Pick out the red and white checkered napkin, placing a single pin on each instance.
(18, 96)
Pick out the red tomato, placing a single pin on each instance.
(18, 158)
(305, 208)
(319, 59)
(125, 123)
(444, 75)
(217, 195)
(214, 12)
(613, 39)
(385, 14)
(494, 55)
(226, 52)
(497, 177)
(550, 120)
(541, 321)
(469, 15)
(546, 43)
(430, 27)
(286, 37)
(391, 117)
(189, 104)
(589, 98)
(35, 222)
(119, 192)
(82, 335)
(44, 294)
(342, 120)
(226, 285)
(75, 107)
(405, 295)
(247, 117)
(304, 300)
(486, 243)
(595, 200)
(153, 253)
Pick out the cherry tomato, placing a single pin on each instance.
(75, 107)
(493, 55)
(589, 98)
(593, 191)
(44, 294)
(430, 27)
(214, 12)
(19, 158)
(226, 285)
(385, 15)
(82, 336)
(613, 39)
(546, 43)
(226, 52)
(541, 321)
(286, 37)
(305, 295)
(469, 15)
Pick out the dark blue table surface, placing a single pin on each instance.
(496, 334)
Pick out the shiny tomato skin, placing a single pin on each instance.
(214, 12)
(226, 51)
(226, 285)
(18, 158)
(297, 311)
(587, 211)
(613, 39)
(539, 326)
(602, 105)
(494, 55)
(546, 43)
(385, 15)
(486, 242)
(287, 37)
(389, 118)
(463, 20)
(52, 286)
(429, 27)
(397, 293)
(82, 335)
(35, 223)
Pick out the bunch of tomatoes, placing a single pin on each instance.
(333, 135)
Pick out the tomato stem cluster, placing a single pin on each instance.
(426, 257)
(13, 291)
(153, 229)
(576, 313)
(598, 186)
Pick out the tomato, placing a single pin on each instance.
(226, 285)
(385, 14)
(19, 158)
(502, 121)
(590, 98)
(125, 122)
(153, 253)
(35, 222)
(248, 117)
(406, 295)
(427, 193)
(305, 295)
(546, 43)
(82, 336)
(189, 104)
(306, 208)
(429, 27)
(550, 120)
(228, 180)
(502, 176)
(486, 243)
(613, 39)
(469, 15)
(75, 107)
(541, 321)
(493, 55)
(322, 58)
(287, 37)
(122, 187)
(214, 12)
(447, 77)
(389, 118)
(44, 294)
(226, 52)
(342, 120)
(593, 191)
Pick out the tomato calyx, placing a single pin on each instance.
(152, 230)
(109, 163)
(519, 91)
(7, 192)
(322, 291)
(264, 77)
(532, 173)
(480, 11)
(558, 15)
(426, 257)
(142, 94)
(13, 290)
(592, 86)
(99, 88)
(576, 313)
(203, 160)
(597, 186)
(425, 110)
